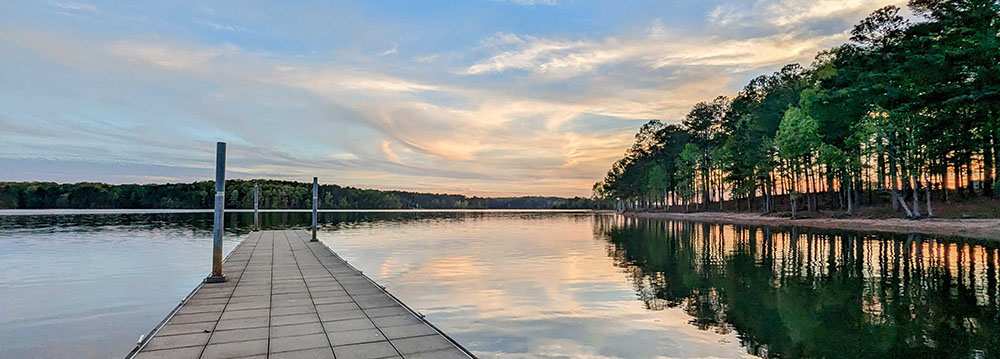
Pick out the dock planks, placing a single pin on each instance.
(287, 297)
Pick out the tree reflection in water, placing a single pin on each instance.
(803, 293)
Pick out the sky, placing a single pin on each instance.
(482, 97)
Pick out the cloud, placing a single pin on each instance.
(792, 13)
(539, 55)
(221, 27)
(530, 2)
(170, 56)
(426, 59)
(75, 6)
(668, 102)
(501, 113)
(334, 82)
(560, 59)
(389, 152)
(369, 127)
(295, 118)
(390, 51)
(233, 61)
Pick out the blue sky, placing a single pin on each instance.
(528, 97)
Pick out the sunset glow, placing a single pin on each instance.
(482, 97)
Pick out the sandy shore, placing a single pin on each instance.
(973, 228)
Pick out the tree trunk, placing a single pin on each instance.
(857, 190)
(805, 186)
(905, 208)
(927, 186)
(894, 194)
(988, 168)
(958, 180)
(881, 170)
(916, 196)
(793, 207)
(722, 196)
(944, 182)
(896, 197)
(793, 193)
(996, 158)
(847, 194)
(764, 190)
(767, 197)
(705, 186)
(841, 192)
(666, 195)
(773, 189)
(871, 190)
(815, 190)
(970, 185)
(829, 189)
(763, 195)
(809, 204)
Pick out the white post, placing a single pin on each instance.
(220, 204)
(315, 200)
(256, 218)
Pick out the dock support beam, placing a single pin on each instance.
(256, 218)
(220, 204)
(315, 200)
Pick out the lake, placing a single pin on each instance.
(530, 284)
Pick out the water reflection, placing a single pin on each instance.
(86, 286)
(793, 293)
(530, 285)
(535, 285)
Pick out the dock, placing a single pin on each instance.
(288, 297)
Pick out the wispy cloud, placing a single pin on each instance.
(568, 58)
(426, 58)
(220, 27)
(390, 51)
(789, 13)
(75, 6)
(170, 56)
(334, 82)
(530, 2)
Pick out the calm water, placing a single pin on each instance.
(532, 285)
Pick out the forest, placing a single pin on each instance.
(240, 195)
(904, 115)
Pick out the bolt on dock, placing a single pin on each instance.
(288, 297)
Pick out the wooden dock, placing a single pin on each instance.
(287, 297)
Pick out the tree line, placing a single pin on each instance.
(240, 195)
(905, 112)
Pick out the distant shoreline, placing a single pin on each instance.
(988, 229)
(59, 212)
(242, 194)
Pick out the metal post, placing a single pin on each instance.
(315, 200)
(256, 218)
(220, 204)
